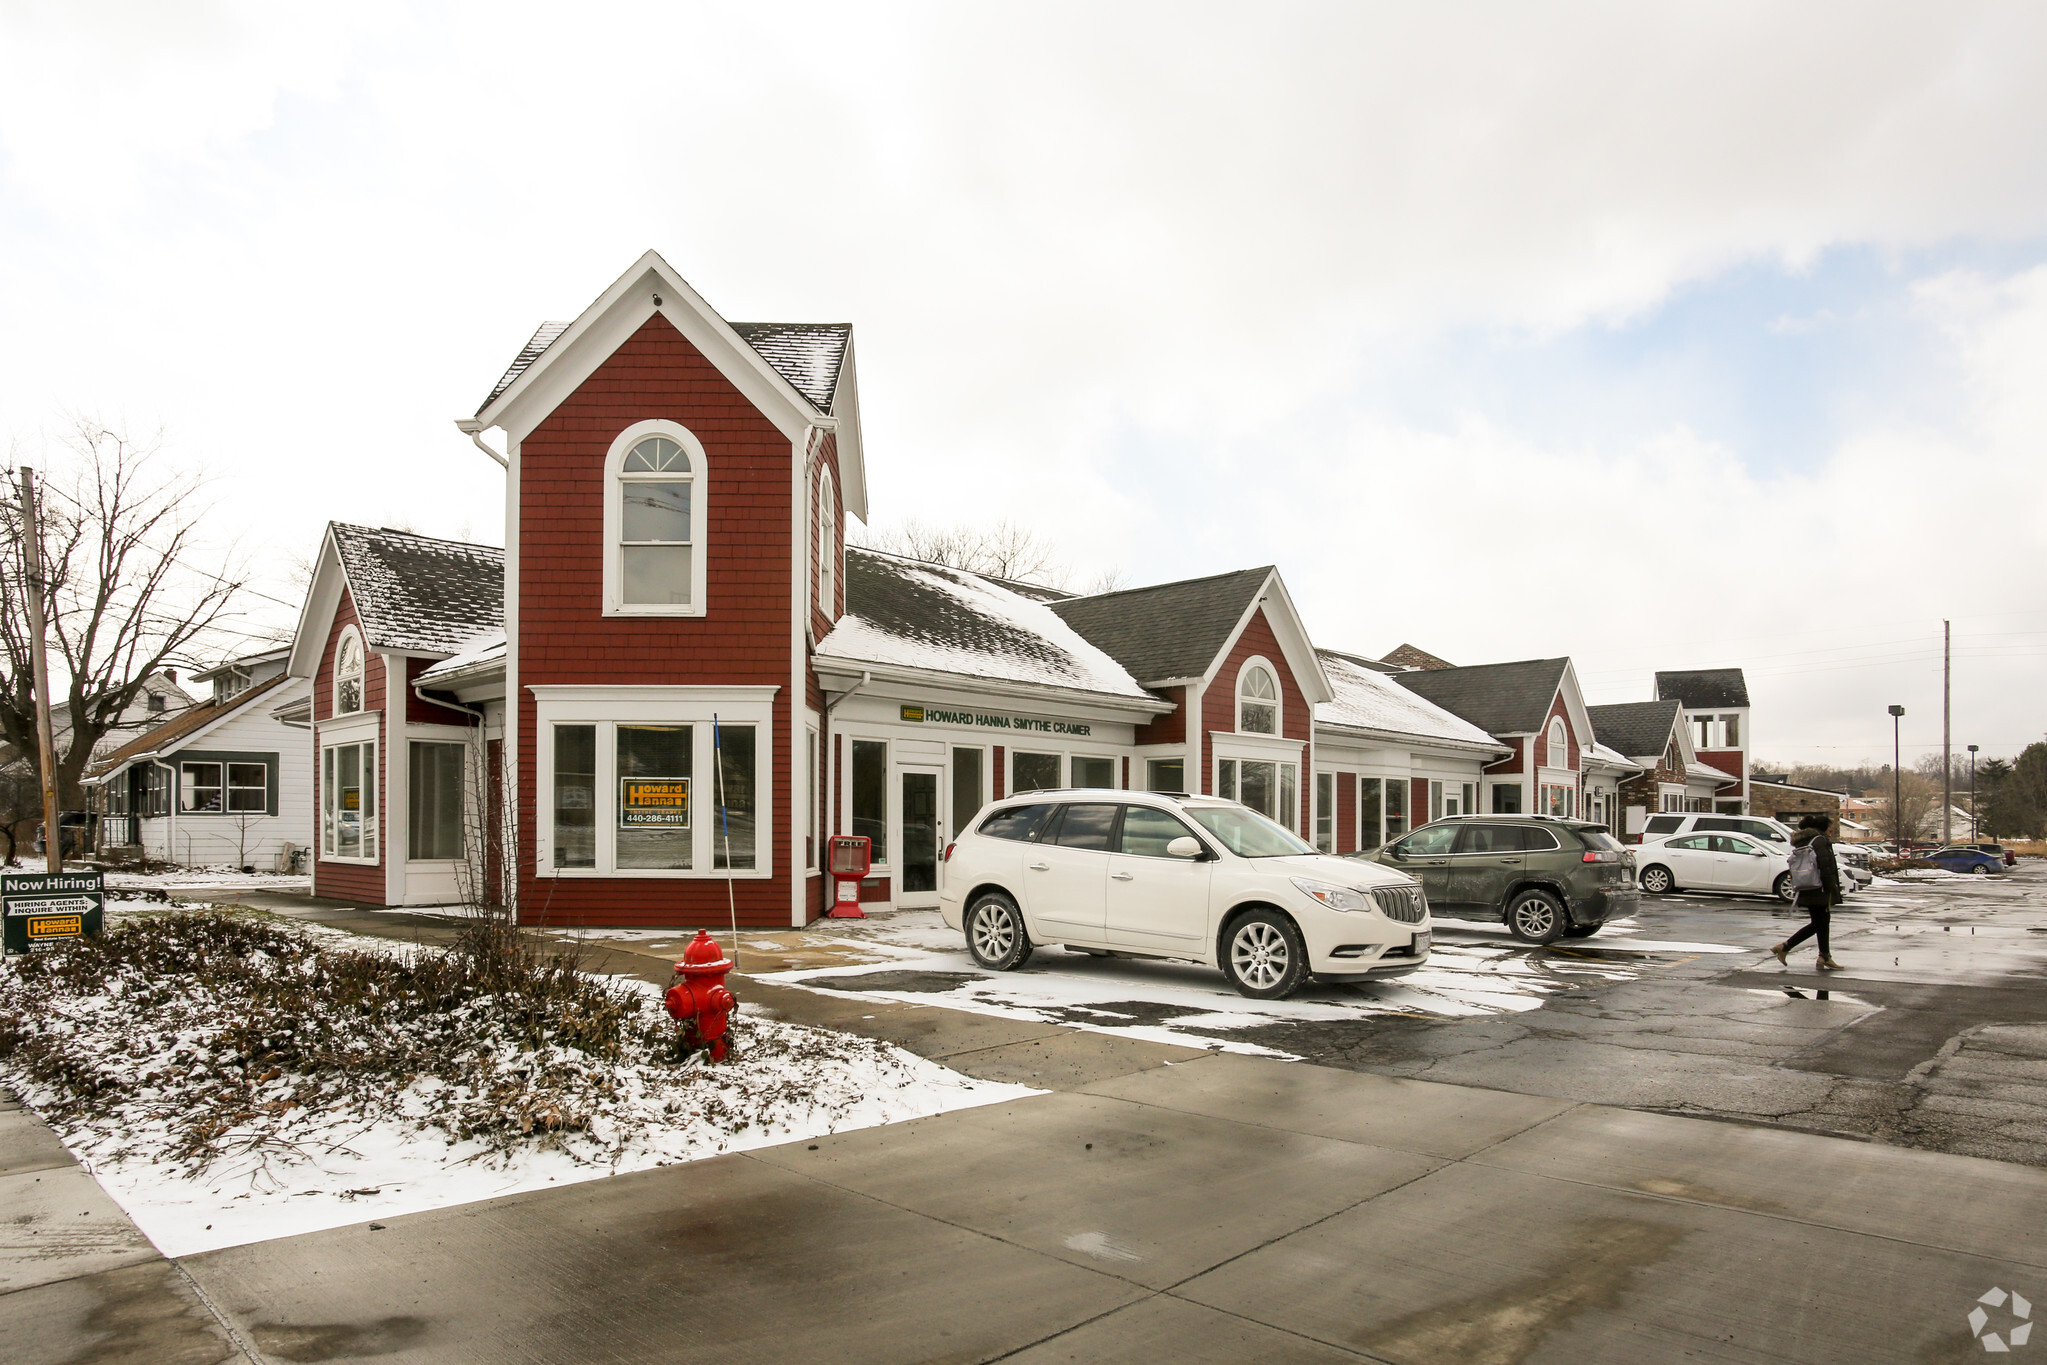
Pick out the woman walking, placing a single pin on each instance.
(1818, 879)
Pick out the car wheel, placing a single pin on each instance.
(1783, 889)
(1657, 881)
(1263, 956)
(995, 933)
(1536, 917)
(1583, 930)
(1979, 871)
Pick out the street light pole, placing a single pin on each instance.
(1973, 835)
(1897, 783)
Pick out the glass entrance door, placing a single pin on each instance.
(923, 835)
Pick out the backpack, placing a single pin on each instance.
(1805, 867)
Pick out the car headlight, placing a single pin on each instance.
(1335, 897)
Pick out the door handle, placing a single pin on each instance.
(1041, 867)
(1510, 862)
(1119, 876)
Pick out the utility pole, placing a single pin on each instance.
(1897, 782)
(1947, 755)
(1973, 834)
(39, 669)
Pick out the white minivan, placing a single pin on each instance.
(1186, 878)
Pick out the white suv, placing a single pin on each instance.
(1189, 878)
(1668, 824)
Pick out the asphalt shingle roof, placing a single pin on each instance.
(1637, 729)
(1501, 699)
(190, 719)
(809, 355)
(1173, 630)
(915, 614)
(1703, 687)
(419, 594)
(1369, 698)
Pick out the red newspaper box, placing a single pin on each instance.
(850, 855)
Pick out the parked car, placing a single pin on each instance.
(1670, 823)
(1853, 861)
(1996, 850)
(1713, 862)
(1958, 858)
(1187, 878)
(1546, 878)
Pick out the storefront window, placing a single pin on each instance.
(1093, 772)
(1325, 812)
(1396, 807)
(1370, 813)
(967, 789)
(870, 794)
(1034, 772)
(1166, 775)
(575, 796)
(433, 804)
(1507, 799)
(348, 800)
(654, 798)
(732, 842)
(1435, 800)
(1271, 789)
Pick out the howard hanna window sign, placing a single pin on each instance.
(662, 801)
(43, 909)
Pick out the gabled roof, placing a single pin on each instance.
(1501, 699)
(1703, 687)
(1408, 656)
(421, 595)
(1367, 698)
(800, 376)
(1170, 632)
(1639, 729)
(908, 613)
(186, 725)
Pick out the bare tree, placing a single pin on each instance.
(1108, 580)
(1920, 799)
(1001, 550)
(21, 800)
(126, 597)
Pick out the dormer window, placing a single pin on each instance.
(348, 674)
(1257, 701)
(653, 522)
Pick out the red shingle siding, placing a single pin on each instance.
(1170, 728)
(421, 712)
(1557, 709)
(1511, 763)
(743, 640)
(1346, 812)
(349, 881)
(1219, 702)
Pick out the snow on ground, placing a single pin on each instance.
(231, 878)
(911, 956)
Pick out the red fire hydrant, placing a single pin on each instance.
(700, 1001)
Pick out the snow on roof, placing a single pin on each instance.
(1614, 756)
(482, 652)
(1369, 699)
(1698, 771)
(912, 614)
(418, 594)
(807, 354)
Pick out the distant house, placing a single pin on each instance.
(222, 783)
(1670, 775)
(1772, 795)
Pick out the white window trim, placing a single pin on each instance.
(1278, 702)
(226, 786)
(699, 521)
(827, 543)
(328, 740)
(1215, 778)
(362, 655)
(656, 705)
(470, 813)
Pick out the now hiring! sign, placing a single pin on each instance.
(43, 909)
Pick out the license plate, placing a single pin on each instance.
(1421, 942)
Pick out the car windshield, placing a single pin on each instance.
(1248, 834)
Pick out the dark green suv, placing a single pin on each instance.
(1546, 878)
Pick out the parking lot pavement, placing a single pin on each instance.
(1223, 1209)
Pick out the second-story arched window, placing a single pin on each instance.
(1257, 701)
(1559, 745)
(348, 673)
(827, 544)
(654, 522)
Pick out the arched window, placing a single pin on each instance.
(1257, 701)
(827, 545)
(348, 673)
(1559, 746)
(653, 522)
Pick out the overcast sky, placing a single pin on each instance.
(1662, 336)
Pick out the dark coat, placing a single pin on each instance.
(1828, 893)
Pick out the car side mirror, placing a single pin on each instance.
(1186, 846)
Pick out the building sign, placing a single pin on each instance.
(660, 801)
(939, 716)
(43, 909)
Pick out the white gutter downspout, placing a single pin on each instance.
(473, 429)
